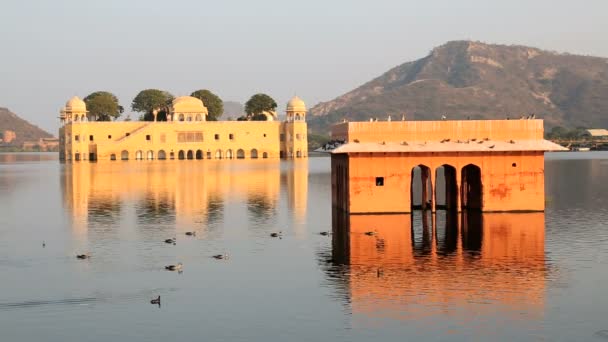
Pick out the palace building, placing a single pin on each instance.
(400, 166)
(185, 135)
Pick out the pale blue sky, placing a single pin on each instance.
(52, 50)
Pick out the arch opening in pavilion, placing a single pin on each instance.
(421, 189)
(446, 188)
(471, 189)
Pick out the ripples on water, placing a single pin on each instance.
(537, 276)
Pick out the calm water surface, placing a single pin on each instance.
(492, 277)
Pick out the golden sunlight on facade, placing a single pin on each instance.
(185, 135)
(399, 166)
(429, 269)
(180, 194)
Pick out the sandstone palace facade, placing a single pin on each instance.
(185, 135)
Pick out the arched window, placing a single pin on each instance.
(162, 155)
(112, 156)
(254, 154)
(199, 154)
(265, 155)
(198, 117)
(240, 154)
(171, 155)
(190, 155)
(77, 157)
(181, 117)
(208, 154)
(228, 154)
(150, 155)
(218, 154)
(297, 117)
(181, 155)
(189, 118)
(299, 154)
(124, 155)
(139, 155)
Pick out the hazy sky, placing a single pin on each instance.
(319, 49)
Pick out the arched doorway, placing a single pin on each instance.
(190, 155)
(139, 155)
(240, 154)
(124, 155)
(172, 155)
(421, 189)
(112, 156)
(228, 154)
(181, 155)
(218, 154)
(199, 154)
(150, 155)
(282, 154)
(162, 155)
(471, 190)
(208, 154)
(299, 154)
(446, 189)
(254, 154)
(265, 155)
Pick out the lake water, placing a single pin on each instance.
(495, 277)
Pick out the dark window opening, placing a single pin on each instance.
(90, 138)
(514, 164)
(217, 137)
(76, 138)
(148, 137)
(109, 137)
(128, 134)
(264, 135)
(379, 181)
(231, 136)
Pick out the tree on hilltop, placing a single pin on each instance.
(103, 106)
(149, 100)
(214, 104)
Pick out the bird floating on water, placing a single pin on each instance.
(177, 267)
(155, 301)
(83, 256)
(173, 240)
(370, 233)
(221, 256)
(43, 244)
(191, 233)
(324, 233)
(279, 234)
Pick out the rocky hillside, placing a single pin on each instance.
(24, 130)
(464, 79)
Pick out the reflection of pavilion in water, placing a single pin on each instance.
(178, 193)
(463, 266)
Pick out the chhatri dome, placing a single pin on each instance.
(75, 104)
(296, 105)
(188, 104)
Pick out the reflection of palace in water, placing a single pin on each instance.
(466, 261)
(180, 193)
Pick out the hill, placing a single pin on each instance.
(464, 79)
(24, 130)
(232, 109)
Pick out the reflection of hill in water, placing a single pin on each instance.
(468, 267)
(180, 193)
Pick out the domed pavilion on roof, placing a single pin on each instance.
(186, 134)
